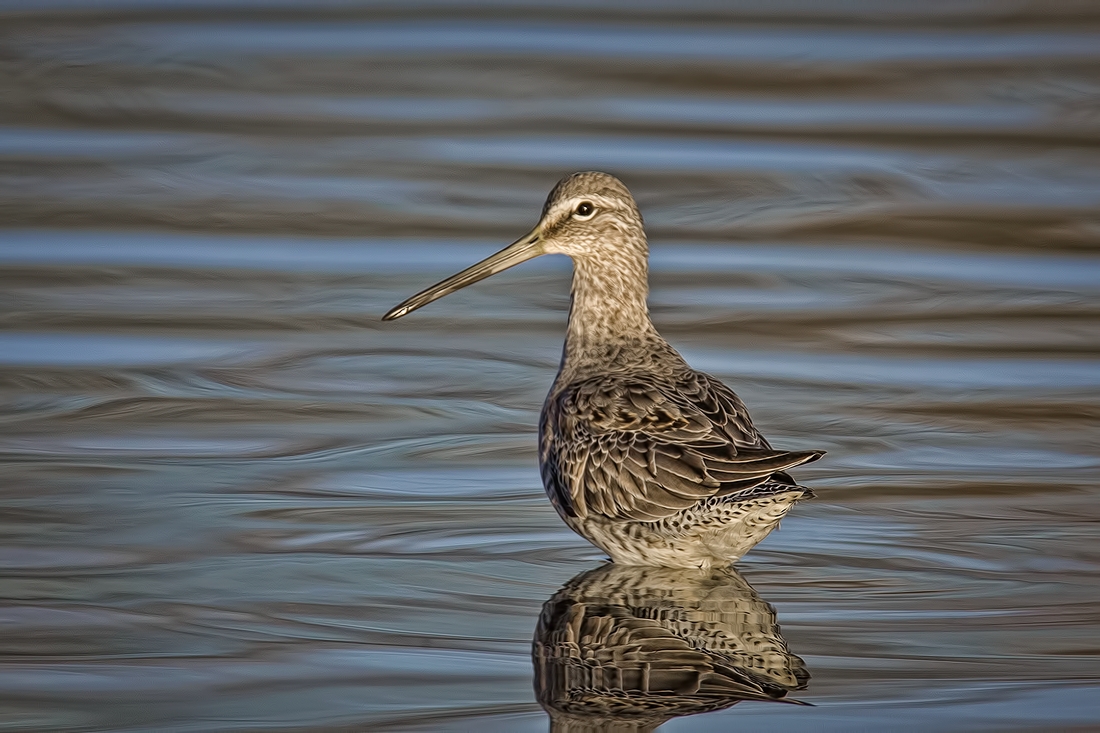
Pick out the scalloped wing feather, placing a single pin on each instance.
(643, 447)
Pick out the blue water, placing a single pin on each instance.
(233, 499)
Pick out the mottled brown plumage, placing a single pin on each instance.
(623, 648)
(650, 460)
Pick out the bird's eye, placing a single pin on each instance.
(584, 210)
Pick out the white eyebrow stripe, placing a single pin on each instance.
(569, 206)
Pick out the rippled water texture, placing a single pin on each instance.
(233, 499)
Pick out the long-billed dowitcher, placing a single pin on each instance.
(646, 458)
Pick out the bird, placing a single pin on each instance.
(653, 462)
(627, 648)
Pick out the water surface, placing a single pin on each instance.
(233, 499)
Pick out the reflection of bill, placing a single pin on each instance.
(623, 648)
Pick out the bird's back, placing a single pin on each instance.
(646, 457)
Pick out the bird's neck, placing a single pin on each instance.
(609, 314)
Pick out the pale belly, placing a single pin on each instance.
(715, 533)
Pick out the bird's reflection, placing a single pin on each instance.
(623, 648)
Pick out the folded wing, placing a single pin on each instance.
(628, 447)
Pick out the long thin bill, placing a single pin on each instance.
(523, 249)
